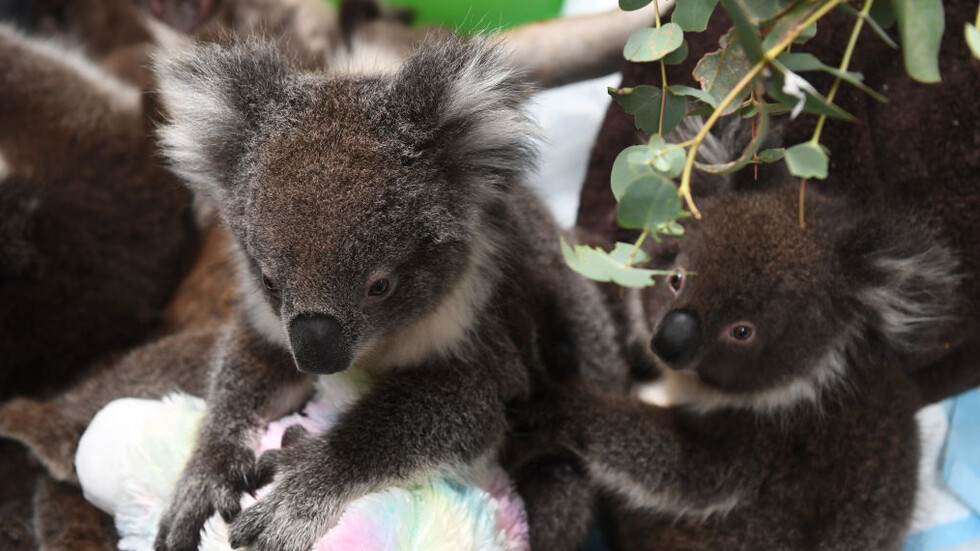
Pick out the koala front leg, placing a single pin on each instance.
(671, 460)
(433, 419)
(252, 382)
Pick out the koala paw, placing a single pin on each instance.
(302, 506)
(213, 481)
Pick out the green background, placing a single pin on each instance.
(469, 16)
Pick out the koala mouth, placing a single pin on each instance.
(318, 345)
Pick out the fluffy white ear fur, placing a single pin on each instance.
(916, 298)
(201, 116)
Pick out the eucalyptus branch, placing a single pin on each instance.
(768, 56)
(663, 76)
(845, 63)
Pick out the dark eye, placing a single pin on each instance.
(676, 281)
(270, 285)
(379, 287)
(741, 332)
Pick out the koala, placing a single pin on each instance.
(381, 224)
(95, 234)
(782, 417)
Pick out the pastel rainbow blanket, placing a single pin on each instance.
(131, 456)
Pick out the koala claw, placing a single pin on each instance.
(298, 510)
(201, 493)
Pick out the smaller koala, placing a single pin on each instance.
(782, 418)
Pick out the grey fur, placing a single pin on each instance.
(327, 181)
(802, 437)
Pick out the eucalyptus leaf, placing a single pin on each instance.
(693, 15)
(807, 160)
(809, 62)
(920, 26)
(598, 265)
(719, 72)
(771, 155)
(621, 253)
(695, 93)
(973, 39)
(631, 5)
(641, 161)
(643, 102)
(788, 23)
(677, 56)
(764, 10)
(873, 22)
(652, 44)
(745, 31)
(648, 203)
(813, 102)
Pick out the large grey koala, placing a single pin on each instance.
(382, 225)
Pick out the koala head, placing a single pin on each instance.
(763, 313)
(360, 198)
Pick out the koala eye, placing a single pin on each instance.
(740, 332)
(676, 281)
(379, 287)
(270, 285)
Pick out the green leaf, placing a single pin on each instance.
(771, 155)
(788, 23)
(700, 95)
(809, 62)
(920, 25)
(643, 102)
(745, 32)
(875, 22)
(973, 39)
(598, 265)
(693, 15)
(813, 102)
(764, 10)
(651, 44)
(657, 159)
(677, 56)
(719, 72)
(631, 5)
(747, 154)
(621, 253)
(807, 160)
(648, 204)
(883, 13)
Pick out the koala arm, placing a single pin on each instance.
(437, 418)
(670, 460)
(252, 382)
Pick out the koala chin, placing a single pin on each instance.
(783, 418)
(381, 224)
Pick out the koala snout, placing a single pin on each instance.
(678, 339)
(318, 345)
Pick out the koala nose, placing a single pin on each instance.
(678, 339)
(318, 346)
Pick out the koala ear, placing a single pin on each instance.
(467, 105)
(907, 281)
(214, 97)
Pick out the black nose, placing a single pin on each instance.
(318, 346)
(678, 339)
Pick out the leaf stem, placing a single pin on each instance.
(844, 64)
(663, 75)
(685, 188)
(636, 248)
